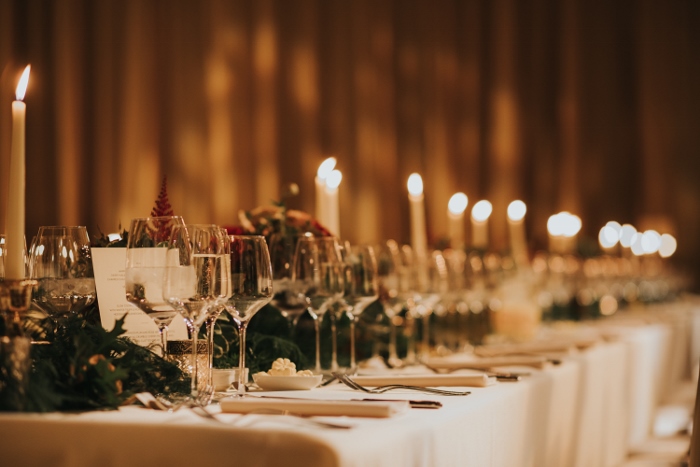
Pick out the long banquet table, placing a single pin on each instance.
(588, 411)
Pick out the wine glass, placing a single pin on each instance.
(361, 288)
(145, 267)
(62, 265)
(431, 285)
(318, 275)
(3, 254)
(286, 298)
(251, 288)
(196, 281)
(216, 311)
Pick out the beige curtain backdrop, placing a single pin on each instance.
(587, 105)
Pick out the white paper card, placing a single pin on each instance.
(108, 266)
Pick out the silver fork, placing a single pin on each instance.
(390, 387)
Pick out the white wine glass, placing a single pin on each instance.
(145, 268)
(196, 282)
(62, 265)
(251, 288)
(361, 287)
(318, 274)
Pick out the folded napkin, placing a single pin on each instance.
(568, 346)
(314, 407)
(426, 380)
(471, 362)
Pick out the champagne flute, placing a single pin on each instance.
(145, 267)
(361, 288)
(62, 265)
(196, 281)
(251, 288)
(318, 275)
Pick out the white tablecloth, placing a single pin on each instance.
(583, 412)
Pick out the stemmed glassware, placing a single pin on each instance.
(361, 289)
(3, 254)
(145, 269)
(62, 265)
(318, 275)
(250, 290)
(286, 298)
(196, 281)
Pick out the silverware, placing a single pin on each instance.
(500, 376)
(415, 404)
(390, 387)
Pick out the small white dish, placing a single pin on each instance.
(286, 383)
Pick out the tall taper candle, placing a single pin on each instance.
(516, 226)
(14, 220)
(332, 207)
(419, 240)
(324, 170)
(480, 224)
(455, 216)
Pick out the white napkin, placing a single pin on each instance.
(536, 347)
(426, 380)
(471, 362)
(314, 407)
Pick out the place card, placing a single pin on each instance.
(108, 265)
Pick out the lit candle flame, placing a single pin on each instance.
(668, 245)
(326, 168)
(482, 210)
(458, 203)
(22, 84)
(415, 184)
(516, 210)
(333, 179)
(627, 233)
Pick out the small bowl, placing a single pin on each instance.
(223, 379)
(286, 383)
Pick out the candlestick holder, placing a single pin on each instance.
(15, 299)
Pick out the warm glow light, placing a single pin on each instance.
(563, 224)
(556, 224)
(482, 210)
(637, 248)
(572, 225)
(22, 84)
(458, 203)
(608, 237)
(516, 210)
(668, 245)
(651, 241)
(608, 305)
(326, 168)
(616, 227)
(627, 233)
(415, 184)
(333, 179)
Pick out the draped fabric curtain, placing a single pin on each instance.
(591, 106)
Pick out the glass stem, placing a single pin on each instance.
(209, 323)
(194, 387)
(317, 329)
(163, 331)
(334, 341)
(425, 345)
(353, 362)
(241, 358)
